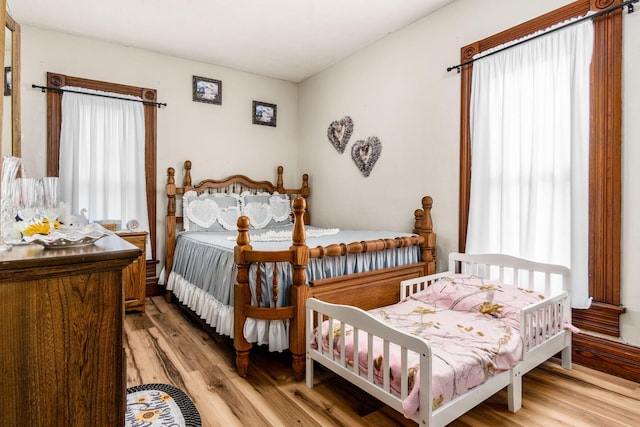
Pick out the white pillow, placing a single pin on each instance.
(266, 210)
(210, 212)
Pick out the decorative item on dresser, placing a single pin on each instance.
(134, 276)
(269, 263)
(62, 334)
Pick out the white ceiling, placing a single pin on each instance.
(284, 39)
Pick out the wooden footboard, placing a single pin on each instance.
(365, 290)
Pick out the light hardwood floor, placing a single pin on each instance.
(164, 346)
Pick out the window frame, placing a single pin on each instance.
(605, 175)
(54, 121)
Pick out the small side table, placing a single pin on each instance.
(134, 276)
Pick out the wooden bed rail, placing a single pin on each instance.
(361, 289)
(340, 249)
(425, 238)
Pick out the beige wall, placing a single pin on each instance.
(398, 89)
(219, 139)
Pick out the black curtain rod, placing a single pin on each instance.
(46, 88)
(628, 4)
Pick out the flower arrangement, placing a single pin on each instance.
(42, 228)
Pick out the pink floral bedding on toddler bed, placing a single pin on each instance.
(472, 325)
(463, 292)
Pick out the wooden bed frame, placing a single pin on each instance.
(365, 290)
(537, 347)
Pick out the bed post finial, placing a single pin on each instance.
(186, 183)
(243, 238)
(305, 191)
(427, 204)
(171, 191)
(280, 182)
(305, 185)
(299, 234)
(424, 227)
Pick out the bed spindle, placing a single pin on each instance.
(370, 366)
(547, 283)
(386, 378)
(275, 284)
(343, 345)
(320, 332)
(331, 332)
(258, 284)
(356, 350)
(404, 371)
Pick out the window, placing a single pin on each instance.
(530, 134)
(54, 119)
(604, 155)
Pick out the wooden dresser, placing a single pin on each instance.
(61, 334)
(134, 276)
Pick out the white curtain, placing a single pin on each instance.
(102, 163)
(530, 152)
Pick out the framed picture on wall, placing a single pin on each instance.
(7, 81)
(207, 90)
(264, 113)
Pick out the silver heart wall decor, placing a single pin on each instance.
(339, 133)
(365, 154)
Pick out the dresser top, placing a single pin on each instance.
(110, 248)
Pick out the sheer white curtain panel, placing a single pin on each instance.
(102, 156)
(530, 152)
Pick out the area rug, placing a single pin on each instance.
(156, 405)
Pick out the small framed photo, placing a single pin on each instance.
(207, 90)
(7, 81)
(264, 113)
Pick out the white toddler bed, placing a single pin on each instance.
(522, 305)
